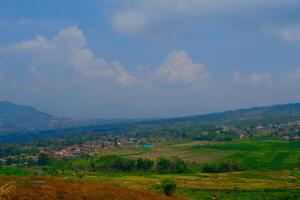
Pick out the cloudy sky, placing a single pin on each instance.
(148, 58)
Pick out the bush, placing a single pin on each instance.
(122, 164)
(229, 166)
(162, 166)
(44, 159)
(80, 165)
(144, 164)
(113, 163)
(176, 165)
(169, 187)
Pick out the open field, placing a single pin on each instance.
(230, 181)
(259, 155)
(253, 154)
(238, 185)
(39, 188)
(271, 171)
(182, 150)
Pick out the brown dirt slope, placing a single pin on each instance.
(52, 189)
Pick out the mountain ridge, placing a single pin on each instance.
(18, 117)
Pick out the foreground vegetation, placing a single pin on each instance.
(242, 169)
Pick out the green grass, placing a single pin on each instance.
(269, 170)
(258, 155)
(14, 171)
(279, 194)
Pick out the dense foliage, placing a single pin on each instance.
(229, 166)
(121, 164)
(169, 187)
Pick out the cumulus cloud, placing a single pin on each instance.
(69, 49)
(179, 67)
(38, 44)
(290, 33)
(253, 79)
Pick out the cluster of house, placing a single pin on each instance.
(286, 131)
(18, 160)
(93, 148)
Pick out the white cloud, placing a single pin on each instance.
(129, 22)
(38, 44)
(253, 79)
(71, 37)
(136, 16)
(290, 33)
(69, 49)
(124, 77)
(179, 67)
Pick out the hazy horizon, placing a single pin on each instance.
(149, 59)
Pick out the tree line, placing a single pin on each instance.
(121, 164)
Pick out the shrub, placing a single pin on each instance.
(144, 164)
(113, 163)
(178, 166)
(169, 187)
(175, 165)
(44, 159)
(162, 166)
(229, 166)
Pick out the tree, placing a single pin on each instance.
(163, 166)
(169, 187)
(44, 159)
(228, 166)
(178, 166)
(80, 174)
(144, 164)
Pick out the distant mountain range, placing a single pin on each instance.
(17, 117)
(258, 115)
(20, 118)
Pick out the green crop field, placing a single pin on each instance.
(270, 169)
(253, 154)
(262, 155)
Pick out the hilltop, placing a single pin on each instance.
(19, 117)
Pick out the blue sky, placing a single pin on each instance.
(148, 58)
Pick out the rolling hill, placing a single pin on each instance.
(18, 117)
(15, 117)
(276, 113)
